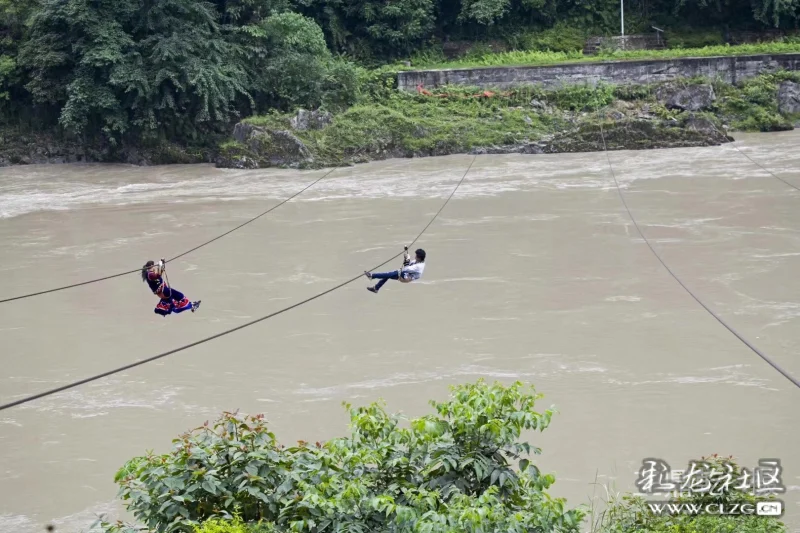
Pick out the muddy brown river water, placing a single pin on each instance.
(535, 272)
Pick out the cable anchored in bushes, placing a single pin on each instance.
(187, 252)
(747, 343)
(72, 385)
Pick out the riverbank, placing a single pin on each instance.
(529, 120)
(387, 123)
(22, 147)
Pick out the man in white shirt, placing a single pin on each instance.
(411, 271)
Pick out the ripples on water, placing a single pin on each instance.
(25, 190)
(62, 187)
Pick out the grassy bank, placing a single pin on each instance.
(408, 124)
(388, 123)
(535, 58)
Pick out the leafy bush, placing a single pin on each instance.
(295, 61)
(754, 105)
(688, 38)
(216, 525)
(378, 85)
(583, 97)
(632, 92)
(560, 38)
(341, 86)
(454, 470)
(407, 124)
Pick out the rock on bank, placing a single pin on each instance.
(41, 148)
(265, 146)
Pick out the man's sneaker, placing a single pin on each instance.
(369, 276)
(195, 305)
(372, 289)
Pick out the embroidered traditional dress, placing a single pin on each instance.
(172, 300)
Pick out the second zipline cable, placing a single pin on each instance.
(218, 237)
(62, 388)
(719, 319)
(756, 163)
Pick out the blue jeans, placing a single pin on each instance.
(384, 277)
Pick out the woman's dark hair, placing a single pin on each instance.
(420, 254)
(147, 266)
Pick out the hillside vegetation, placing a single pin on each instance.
(144, 81)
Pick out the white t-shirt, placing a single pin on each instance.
(413, 271)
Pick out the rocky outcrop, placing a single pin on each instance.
(633, 135)
(310, 120)
(22, 149)
(706, 126)
(789, 98)
(627, 128)
(46, 148)
(538, 147)
(690, 98)
(261, 146)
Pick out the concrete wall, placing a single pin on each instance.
(730, 69)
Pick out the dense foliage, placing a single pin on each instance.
(462, 469)
(182, 70)
(173, 69)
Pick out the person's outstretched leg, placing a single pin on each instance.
(383, 277)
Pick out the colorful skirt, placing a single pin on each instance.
(175, 302)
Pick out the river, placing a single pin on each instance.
(535, 272)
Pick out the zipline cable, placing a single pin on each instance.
(240, 226)
(62, 388)
(758, 352)
(765, 169)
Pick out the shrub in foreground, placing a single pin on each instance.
(463, 468)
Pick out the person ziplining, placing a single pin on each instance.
(172, 300)
(412, 271)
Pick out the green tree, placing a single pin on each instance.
(741, 13)
(161, 67)
(460, 469)
(289, 65)
(297, 60)
(185, 72)
(374, 27)
(13, 17)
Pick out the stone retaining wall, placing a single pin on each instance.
(731, 69)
